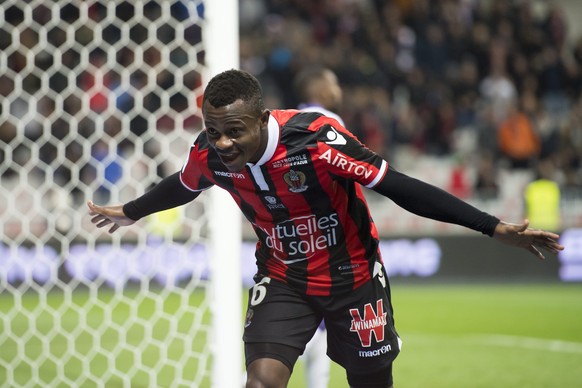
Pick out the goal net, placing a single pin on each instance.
(100, 100)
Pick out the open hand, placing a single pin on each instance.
(520, 235)
(108, 215)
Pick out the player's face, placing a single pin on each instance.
(236, 133)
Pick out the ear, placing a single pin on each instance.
(265, 117)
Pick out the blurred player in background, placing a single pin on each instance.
(319, 91)
(294, 176)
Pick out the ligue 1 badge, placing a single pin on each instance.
(296, 181)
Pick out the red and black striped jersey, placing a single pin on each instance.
(304, 201)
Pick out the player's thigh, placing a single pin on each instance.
(267, 371)
(361, 333)
(277, 314)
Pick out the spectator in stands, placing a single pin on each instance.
(459, 184)
(394, 41)
(554, 78)
(367, 112)
(486, 186)
(432, 49)
(570, 155)
(577, 67)
(497, 89)
(465, 91)
(555, 26)
(544, 125)
(517, 138)
(542, 198)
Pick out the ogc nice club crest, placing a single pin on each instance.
(296, 181)
(373, 322)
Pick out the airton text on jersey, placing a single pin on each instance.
(341, 161)
(303, 235)
(227, 174)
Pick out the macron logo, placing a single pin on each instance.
(333, 137)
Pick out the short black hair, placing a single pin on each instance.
(231, 85)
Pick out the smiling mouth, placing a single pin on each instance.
(228, 158)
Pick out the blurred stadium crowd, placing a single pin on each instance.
(487, 86)
(491, 84)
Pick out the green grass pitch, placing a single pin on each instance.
(471, 336)
(503, 335)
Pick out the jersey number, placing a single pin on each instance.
(259, 291)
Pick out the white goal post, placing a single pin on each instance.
(222, 53)
(100, 100)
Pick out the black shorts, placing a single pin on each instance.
(360, 325)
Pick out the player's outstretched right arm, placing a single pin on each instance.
(109, 215)
(167, 194)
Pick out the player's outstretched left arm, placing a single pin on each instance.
(521, 236)
(431, 202)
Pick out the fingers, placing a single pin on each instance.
(548, 241)
(536, 252)
(544, 239)
(101, 221)
(542, 233)
(104, 222)
(551, 246)
(102, 217)
(541, 239)
(545, 242)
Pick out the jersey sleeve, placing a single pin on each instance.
(347, 157)
(193, 174)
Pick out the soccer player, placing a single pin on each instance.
(297, 178)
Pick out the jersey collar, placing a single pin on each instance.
(272, 141)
